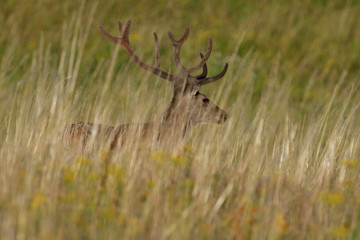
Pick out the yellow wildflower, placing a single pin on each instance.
(38, 200)
(68, 175)
(340, 232)
(83, 161)
(351, 163)
(333, 198)
(281, 223)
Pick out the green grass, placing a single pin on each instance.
(284, 166)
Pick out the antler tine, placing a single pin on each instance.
(124, 41)
(157, 51)
(204, 59)
(177, 46)
(125, 35)
(214, 78)
(176, 52)
(204, 73)
(181, 40)
(110, 37)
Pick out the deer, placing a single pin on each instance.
(187, 108)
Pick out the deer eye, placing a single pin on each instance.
(197, 93)
(205, 100)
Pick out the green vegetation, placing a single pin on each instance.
(286, 165)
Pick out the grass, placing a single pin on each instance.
(285, 165)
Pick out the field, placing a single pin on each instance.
(286, 164)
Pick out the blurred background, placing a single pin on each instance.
(285, 165)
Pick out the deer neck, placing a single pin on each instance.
(176, 119)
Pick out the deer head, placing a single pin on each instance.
(188, 104)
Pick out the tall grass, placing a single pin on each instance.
(285, 165)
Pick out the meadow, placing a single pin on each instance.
(286, 164)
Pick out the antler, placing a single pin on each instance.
(177, 46)
(204, 73)
(124, 41)
(183, 72)
(201, 79)
(214, 78)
